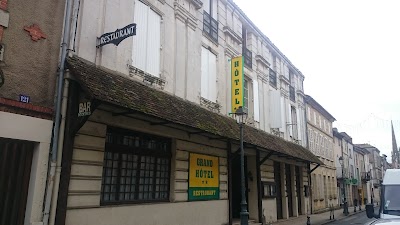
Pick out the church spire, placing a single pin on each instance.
(395, 151)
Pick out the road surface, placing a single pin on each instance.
(359, 218)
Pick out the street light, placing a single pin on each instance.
(241, 116)
(345, 208)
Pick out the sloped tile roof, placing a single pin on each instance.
(110, 87)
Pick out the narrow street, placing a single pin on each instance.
(360, 218)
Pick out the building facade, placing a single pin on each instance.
(376, 171)
(363, 174)
(320, 142)
(343, 148)
(30, 34)
(148, 126)
(395, 151)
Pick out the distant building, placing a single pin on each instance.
(320, 142)
(363, 174)
(343, 148)
(395, 151)
(376, 170)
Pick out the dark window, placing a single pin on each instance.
(210, 26)
(292, 94)
(247, 55)
(136, 167)
(269, 190)
(272, 78)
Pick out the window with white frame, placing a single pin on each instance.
(147, 42)
(208, 75)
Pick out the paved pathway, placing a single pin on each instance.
(319, 219)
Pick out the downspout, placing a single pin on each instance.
(60, 109)
(310, 202)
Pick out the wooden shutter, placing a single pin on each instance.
(256, 101)
(15, 168)
(204, 73)
(139, 55)
(275, 109)
(212, 77)
(153, 43)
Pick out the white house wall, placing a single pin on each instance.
(181, 37)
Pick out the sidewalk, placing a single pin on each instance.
(319, 219)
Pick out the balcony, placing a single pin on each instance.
(365, 177)
(248, 57)
(292, 94)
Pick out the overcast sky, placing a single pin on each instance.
(348, 51)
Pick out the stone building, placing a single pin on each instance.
(148, 113)
(363, 174)
(343, 150)
(320, 142)
(375, 168)
(30, 34)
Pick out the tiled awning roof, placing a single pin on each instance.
(109, 87)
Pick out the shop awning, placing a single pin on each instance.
(113, 88)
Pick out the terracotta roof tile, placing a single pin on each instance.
(110, 87)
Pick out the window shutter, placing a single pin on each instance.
(214, 9)
(212, 77)
(275, 109)
(256, 101)
(206, 6)
(139, 55)
(153, 44)
(290, 126)
(204, 73)
(298, 127)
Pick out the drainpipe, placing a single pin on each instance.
(310, 202)
(60, 109)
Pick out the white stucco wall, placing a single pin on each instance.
(184, 213)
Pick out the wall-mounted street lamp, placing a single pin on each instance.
(241, 117)
(345, 207)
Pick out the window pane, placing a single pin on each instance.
(130, 176)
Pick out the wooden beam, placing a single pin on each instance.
(315, 168)
(72, 125)
(266, 157)
(259, 184)
(124, 113)
(160, 123)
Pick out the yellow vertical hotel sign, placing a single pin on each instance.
(237, 82)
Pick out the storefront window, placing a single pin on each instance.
(136, 167)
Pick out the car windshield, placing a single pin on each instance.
(392, 200)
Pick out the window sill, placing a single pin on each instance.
(228, 31)
(147, 78)
(269, 197)
(206, 35)
(133, 203)
(213, 106)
